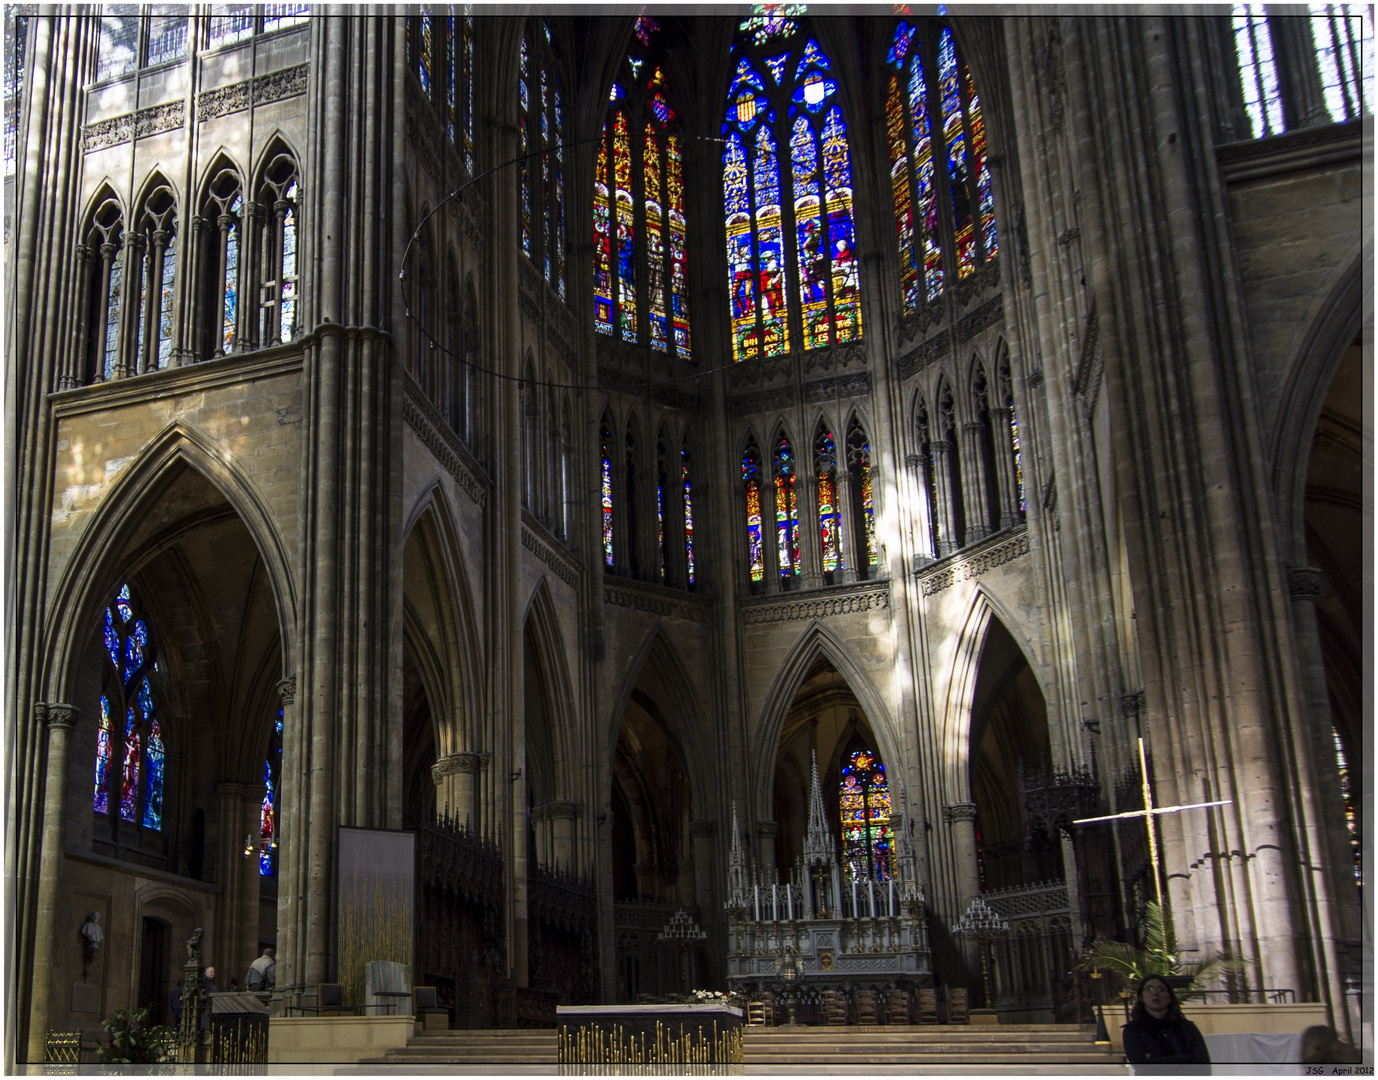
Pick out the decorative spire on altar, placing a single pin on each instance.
(738, 885)
(819, 847)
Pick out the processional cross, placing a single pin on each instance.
(1148, 813)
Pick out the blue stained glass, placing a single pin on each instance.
(776, 64)
(279, 722)
(814, 93)
(616, 93)
(904, 40)
(153, 780)
(101, 803)
(112, 314)
(133, 650)
(663, 111)
(165, 304)
(746, 76)
(813, 57)
(231, 279)
(636, 62)
(146, 698)
(129, 777)
(765, 27)
(112, 640)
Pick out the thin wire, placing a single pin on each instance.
(635, 387)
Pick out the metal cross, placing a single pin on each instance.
(1148, 813)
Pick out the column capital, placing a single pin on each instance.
(230, 789)
(767, 828)
(455, 763)
(707, 829)
(962, 811)
(1303, 582)
(287, 690)
(55, 714)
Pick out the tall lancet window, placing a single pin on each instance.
(641, 277)
(939, 164)
(1258, 76)
(829, 516)
(130, 754)
(441, 49)
(1343, 36)
(268, 808)
(688, 487)
(605, 486)
(864, 806)
(793, 276)
(751, 490)
(786, 510)
(541, 126)
(867, 553)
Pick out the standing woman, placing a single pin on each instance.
(1159, 1035)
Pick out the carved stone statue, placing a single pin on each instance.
(194, 948)
(91, 937)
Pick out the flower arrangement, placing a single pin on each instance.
(133, 1041)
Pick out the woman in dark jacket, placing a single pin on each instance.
(1159, 1040)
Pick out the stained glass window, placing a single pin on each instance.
(1343, 36)
(641, 282)
(932, 112)
(288, 313)
(117, 54)
(864, 807)
(540, 125)
(16, 37)
(230, 23)
(790, 239)
(1351, 808)
(167, 33)
(1018, 458)
(662, 483)
(688, 513)
(1258, 76)
(280, 16)
(605, 453)
(786, 510)
(231, 304)
(829, 520)
(127, 696)
(267, 814)
(863, 501)
(751, 483)
(112, 314)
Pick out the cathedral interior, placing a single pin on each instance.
(647, 461)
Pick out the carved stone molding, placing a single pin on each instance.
(1134, 703)
(564, 567)
(243, 792)
(707, 829)
(929, 352)
(56, 714)
(562, 811)
(277, 85)
(962, 811)
(838, 600)
(104, 133)
(964, 566)
(767, 828)
(1303, 582)
(158, 119)
(987, 315)
(287, 691)
(854, 385)
(222, 100)
(450, 764)
(917, 324)
(422, 417)
(656, 601)
(764, 401)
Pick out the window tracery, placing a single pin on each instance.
(792, 271)
(130, 753)
(940, 177)
(639, 223)
(541, 134)
(864, 809)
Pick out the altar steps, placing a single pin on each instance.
(953, 1050)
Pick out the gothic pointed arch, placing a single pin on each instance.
(120, 517)
(542, 630)
(102, 331)
(219, 260)
(817, 643)
(680, 705)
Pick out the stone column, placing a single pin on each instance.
(562, 816)
(701, 834)
(454, 777)
(925, 543)
(1299, 80)
(947, 513)
(291, 841)
(108, 251)
(237, 815)
(1001, 430)
(974, 487)
(127, 351)
(961, 822)
(540, 853)
(60, 720)
(71, 370)
(216, 318)
(148, 361)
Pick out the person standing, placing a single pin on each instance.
(262, 972)
(1159, 1040)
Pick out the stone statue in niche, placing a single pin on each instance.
(91, 937)
(194, 948)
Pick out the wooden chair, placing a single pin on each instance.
(866, 1010)
(834, 1006)
(957, 1009)
(897, 1010)
(767, 998)
(429, 1015)
(756, 1013)
(928, 1006)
